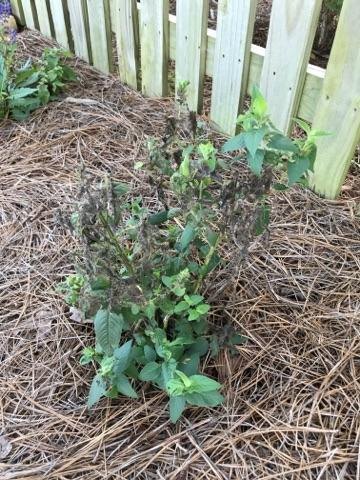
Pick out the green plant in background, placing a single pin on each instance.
(334, 5)
(142, 271)
(27, 87)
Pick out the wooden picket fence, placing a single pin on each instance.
(147, 37)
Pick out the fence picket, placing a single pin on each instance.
(57, 10)
(43, 17)
(291, 36)
(127, 39)
(78, 24)
(100, 34)
(17, 9)
(231, 61)
(191, 29)
(154, 35)
(29, 14)
(338, 110)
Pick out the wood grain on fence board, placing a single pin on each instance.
(231, 61)
(78, 24)
(191, 36)
(126, 27)
(338, 110)
(29, 16)
(291, 36)
(57, 9)
(154, 34)
(100, 34)
(43, 17)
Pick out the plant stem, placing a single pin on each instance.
(115, 243)
(208, 258)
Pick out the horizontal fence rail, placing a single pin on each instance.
(147, 37)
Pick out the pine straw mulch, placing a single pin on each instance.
(292, 394)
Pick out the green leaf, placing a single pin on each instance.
(256, 162)
(193, 315)
(108, 328)
(282, 143)
(305, 126)
(122, 357)
(193, 299)
(187, 236)
(203, 309)
(21, 92)
(177, 406)
(208, 152)
(124, 386)
(100, 283)
(235, 143)
(280, 187)
(184, 168)
(149, 353)
(87, 356)
(238, 339)
(150, 310)
(181, 307)
(190, 364)
(120, 189)
(262, 220)
(207, 399)
(259, 105)
(212, 238)
(97, 390)
(253, 139)
(297, 168)
(158, 218)
(201, 383)
(150, 372)
(200, 346)
(167, 281)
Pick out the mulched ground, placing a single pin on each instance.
(293, 393)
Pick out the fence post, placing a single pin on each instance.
(100, 34)
(235, 27)
(291, 36)
(338, 110)
(154, 39)
(43, 17)
(127, 39)
(191, 38)
(57, 9)
(78, 23)
(29, 14)
(17, 10)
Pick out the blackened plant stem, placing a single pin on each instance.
(114, 241)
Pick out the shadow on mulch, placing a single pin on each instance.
(292, 393)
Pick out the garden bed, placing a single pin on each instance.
(292, 393)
